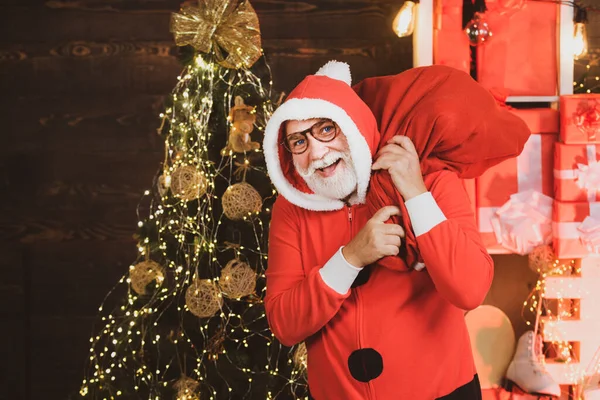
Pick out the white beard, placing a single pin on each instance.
(338, 186)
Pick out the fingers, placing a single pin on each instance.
(393, 229)
(391, 250)
(385, 213)
(404, 142)
(385, 161)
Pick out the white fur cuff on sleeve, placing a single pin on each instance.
(338, 274)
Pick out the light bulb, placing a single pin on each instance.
(404, 23)
(478, 30)
(580, 43)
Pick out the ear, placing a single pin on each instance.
(239, 101)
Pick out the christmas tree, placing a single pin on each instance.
(187, 320)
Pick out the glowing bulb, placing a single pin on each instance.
(580, 42)
(404, 23)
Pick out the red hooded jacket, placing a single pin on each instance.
(383, 332)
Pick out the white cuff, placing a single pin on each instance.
(338, 274)
(424, 213)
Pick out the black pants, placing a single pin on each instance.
(469, 391)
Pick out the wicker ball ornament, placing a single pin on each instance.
(241, 200)
(186, 388)
(188, 183)
(203, 298)
(541, 259)
(142, 273)
(237, 279)
(301, 357)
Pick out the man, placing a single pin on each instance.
(371, 331)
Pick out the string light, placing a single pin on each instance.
(404, 22)
(148, 341)
(580, 40)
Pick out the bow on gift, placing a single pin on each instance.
(588, 176)
(524, 222)
(590, 234)
(587, 118)
(230, 30)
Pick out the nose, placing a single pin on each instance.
(316, 148)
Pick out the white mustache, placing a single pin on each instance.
(329, 159)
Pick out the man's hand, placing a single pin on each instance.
(375, 240)
(399, 157)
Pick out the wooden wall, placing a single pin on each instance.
(82, 83)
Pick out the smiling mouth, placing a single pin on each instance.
(329, 170)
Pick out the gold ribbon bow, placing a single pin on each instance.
(231, 30)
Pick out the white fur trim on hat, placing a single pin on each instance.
(302, 109)
(336, 70)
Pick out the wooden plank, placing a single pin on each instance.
(69, 75)
(79, 275)
(94, 223)
(13, 308)
(122, 124)
(59, 350)
(21, 170)
(278, 19)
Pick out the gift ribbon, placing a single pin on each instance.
(571, 230)
(529, 177)
(524, 222)
(587, 118)
(587, 176)
(590, 234)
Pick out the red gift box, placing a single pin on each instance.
(521, 56)
(577, 172)
(450, 43)
(531, 171)
(580, 118)
(576, 229)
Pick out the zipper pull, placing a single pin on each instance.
(349, 214)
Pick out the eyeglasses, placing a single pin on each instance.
(324, 131)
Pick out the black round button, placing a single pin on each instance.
(365, 364)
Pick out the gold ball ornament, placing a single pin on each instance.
(301, 357)
(186, 388)
(237, 279)
(541, 259)
(142, 273)
(241, 200)
(203, 298)
(188, 183)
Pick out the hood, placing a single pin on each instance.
(327, 94)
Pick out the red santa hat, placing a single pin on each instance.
(326, 94)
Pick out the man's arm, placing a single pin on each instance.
(449, 242)
(298, 304)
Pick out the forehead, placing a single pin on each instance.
(295, 125)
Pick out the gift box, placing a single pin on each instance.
(576, 229)
(580, 118)
(450, 43)
(531, 172)
(521, 56)
(577, 172)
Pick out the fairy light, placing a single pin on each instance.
(560, 282)
(137, 348)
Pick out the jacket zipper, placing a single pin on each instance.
(370, 394)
